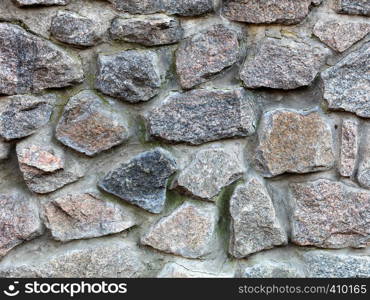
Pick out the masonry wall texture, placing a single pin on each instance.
(197, 138)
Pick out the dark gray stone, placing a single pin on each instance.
(29, 63)
(353, 7)
(202, 116)
(4, 149)
(142, 181)
(131, 75)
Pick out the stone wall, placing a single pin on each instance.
(195, 138)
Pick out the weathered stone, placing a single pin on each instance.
(322, 264)
(188, 231)
(30, 64)
(79, 216)
(349, 148)
(293, 142)
(254, 225)
(271, 269)
(19, 221)
(267, 11)
(22, 115)
(202, 116)
(363, 173)
(329, 214)
(209, 172)
(340, 35)
(151, 30)
(131, 75)
(205, 54)
(72, 28)
(182, 8)
(347, 84)
(142, 181)
(177, 270)
(89, 126)
(283, 64)
(113, 259)
(4, 149)
(41, 2)
(353, 7)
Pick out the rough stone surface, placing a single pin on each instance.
(209, 172)
(188, 231)
(153, 30)
(202, 116)
(4, 149)
(30, 64)
(89, 126)
(22, 115)
(254, 224)
(329, 214)
(349, 147)
(294, 142)
(267, 11)
(180, 270)
(205, 54)
(72, 28)
(340, 35)
(142, 181)
(363, 172)
(182, 8)
(353, 7)
(322, 264)
(271, 269)
(79, 216)
(347, 84)
(41, 2)
(19, 221)
(282, 64)
(131, 75)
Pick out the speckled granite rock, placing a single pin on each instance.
(267, 11)
(132, 75)
(81, 216)
(75, 29)
(188, 231)
(182, 270)
(41, 2)
(254, 225)
(209, 172)
(340, 35)
(329, 214)
(309, 147)
(183, 8)
(347, 84)
(22, 115)
(349, 147)
(271, 269)
(202, 116)
(19, 221)
(90, 126)
(363, 172)
(353, 7)
(205, 54)
(283, 64)
(150, 30)
(30, 64)
(142, 181)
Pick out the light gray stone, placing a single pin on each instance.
(205, 54)
(29, 63)
(271, 269)
(143, 180)
(363, 172)
(347, 84)
(254, 225)
(209, 172)
(41, 2)
(132, 75)
(293, 142)
(349, 147)
(353, 7)
(4, 149)
(188, 231)
(283, 64)
(153, 30)
(329, 214)
(90, 126)
(201, 116)
(181, 270)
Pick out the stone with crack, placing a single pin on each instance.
(143, 180)
(293, 142)
(205, 54)
(29, 63)
(254, 225)
(202, 116)
(90, 126)
(182, 270)
(330, 214)
(353, 7)
(188, 231)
